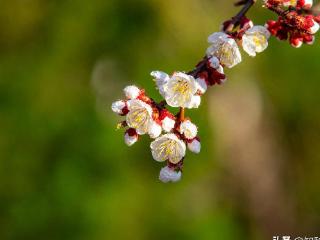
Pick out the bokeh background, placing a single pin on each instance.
(65, 172)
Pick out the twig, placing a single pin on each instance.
(247, 4)
(234, 23)
(236, 19)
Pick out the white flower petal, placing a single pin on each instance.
(118, 106)
(168, 124)
(188, 129)
(194, 146)
(217, 36)
(130, 140)
(161, 79)
(220, 69)
(180, 90)
(139, 116)
(195, 102)
(214, 62)
(308, 4)
(201, 85)
(131, 92)
(155, 130)
(159, 75)
(168, 147)
(225, 49)
(169, 175)
(255, 40)
(314, 28)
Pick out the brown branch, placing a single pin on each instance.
(234, 23)
(236, 19)
(247, 4)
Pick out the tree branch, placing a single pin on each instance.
(236, 19)
(234, 23)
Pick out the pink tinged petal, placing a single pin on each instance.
(131, 137)
(296, 43)
(314, 28)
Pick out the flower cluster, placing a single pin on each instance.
(173, 133)
(294, 21)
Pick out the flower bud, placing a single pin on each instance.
(308, 39)
(169, 175)
(120, 107)
(194, 145)
(296, 42)
(188, 129)
(201, 85)
(314, 28)
(167, 120)
(131, 137)
(131, 92)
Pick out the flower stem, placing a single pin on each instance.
(181, 115)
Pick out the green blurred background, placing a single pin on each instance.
(65, 172)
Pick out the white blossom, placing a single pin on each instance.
(255, 40)
(131, 92)
(118, 106)
(201, 85)
(155, 130)
(225, 48)
(188, 129)
(168, 147)
(194, 146)
(139, 116)
(169, 175)
(161, 78)
(168, 124)
(180, 90)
